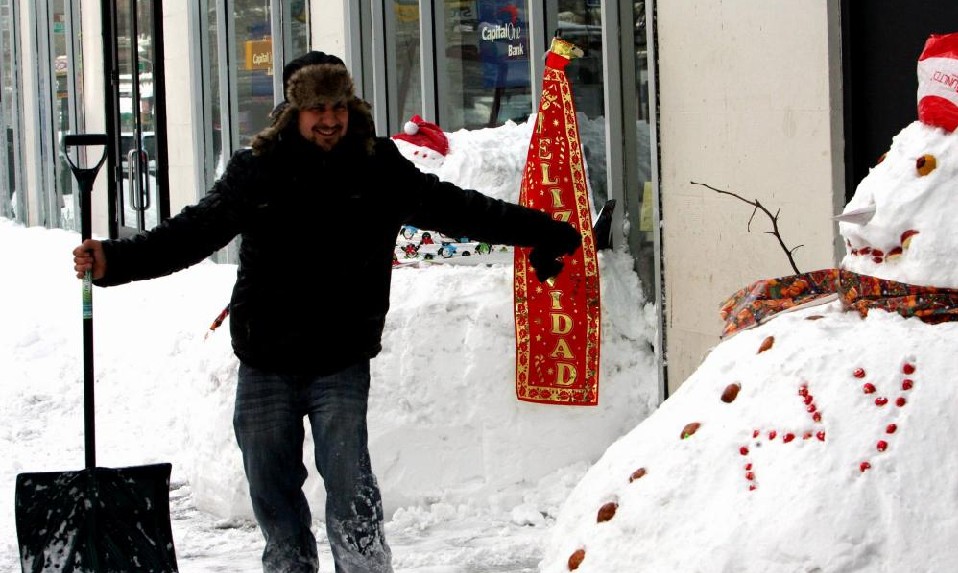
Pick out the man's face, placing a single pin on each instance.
(324, 125)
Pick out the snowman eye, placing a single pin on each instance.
(925, 164)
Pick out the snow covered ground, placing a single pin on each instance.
(835, 455)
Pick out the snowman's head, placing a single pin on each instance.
(422, 142)
(424, 157)
(901, 223)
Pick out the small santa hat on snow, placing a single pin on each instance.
(424, 134)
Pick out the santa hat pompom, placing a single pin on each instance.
(411, 127)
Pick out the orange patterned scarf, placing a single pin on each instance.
(763, 299)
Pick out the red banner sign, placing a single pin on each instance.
(557, 322)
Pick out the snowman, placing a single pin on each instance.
(426, 145)
(818, 436)
(423, 142)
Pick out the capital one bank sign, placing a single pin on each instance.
(259, 54)
(503, 42)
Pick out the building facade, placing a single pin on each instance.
(749, 97)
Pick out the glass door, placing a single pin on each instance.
(139, 192)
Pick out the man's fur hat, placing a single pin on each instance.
(313, 86)
(309, 58)
(319, 85)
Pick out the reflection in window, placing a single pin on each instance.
(404, 51)
(644, 252)
(298, 28)
(215, 157)
(238, 75)
(238, 70)
(580, 22)
(10, 201)
(483, 63)
(252, 50)
(65, 63)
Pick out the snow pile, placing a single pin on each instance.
(444, 421)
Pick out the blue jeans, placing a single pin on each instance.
(268, 421)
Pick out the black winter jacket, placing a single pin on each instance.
(302, 304)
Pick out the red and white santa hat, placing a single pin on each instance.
(938, 82)
(424, 134)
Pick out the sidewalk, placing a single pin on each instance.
(472, 544)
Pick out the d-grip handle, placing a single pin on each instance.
(85, 176)
(85, 139)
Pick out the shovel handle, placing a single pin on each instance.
(85, 177)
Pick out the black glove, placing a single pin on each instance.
(563, 239)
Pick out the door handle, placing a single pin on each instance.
(145, 157)
(133, 177)
(139, 179)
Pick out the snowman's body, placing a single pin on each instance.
(819, 441)
(761, 486)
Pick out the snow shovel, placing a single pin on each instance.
(95, 519)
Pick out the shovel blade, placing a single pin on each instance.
(95, 520)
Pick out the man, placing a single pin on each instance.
(305, 333)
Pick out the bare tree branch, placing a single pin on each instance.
(774, 218)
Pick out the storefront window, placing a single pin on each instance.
(298, 28)
(580, 22)
(644, 243)
(404, 50)
(483, 63)
(62, 114)
(240, 68)
(59, 87)
(213, 108)
(241, 61)
(252, 50)
(11, 200)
